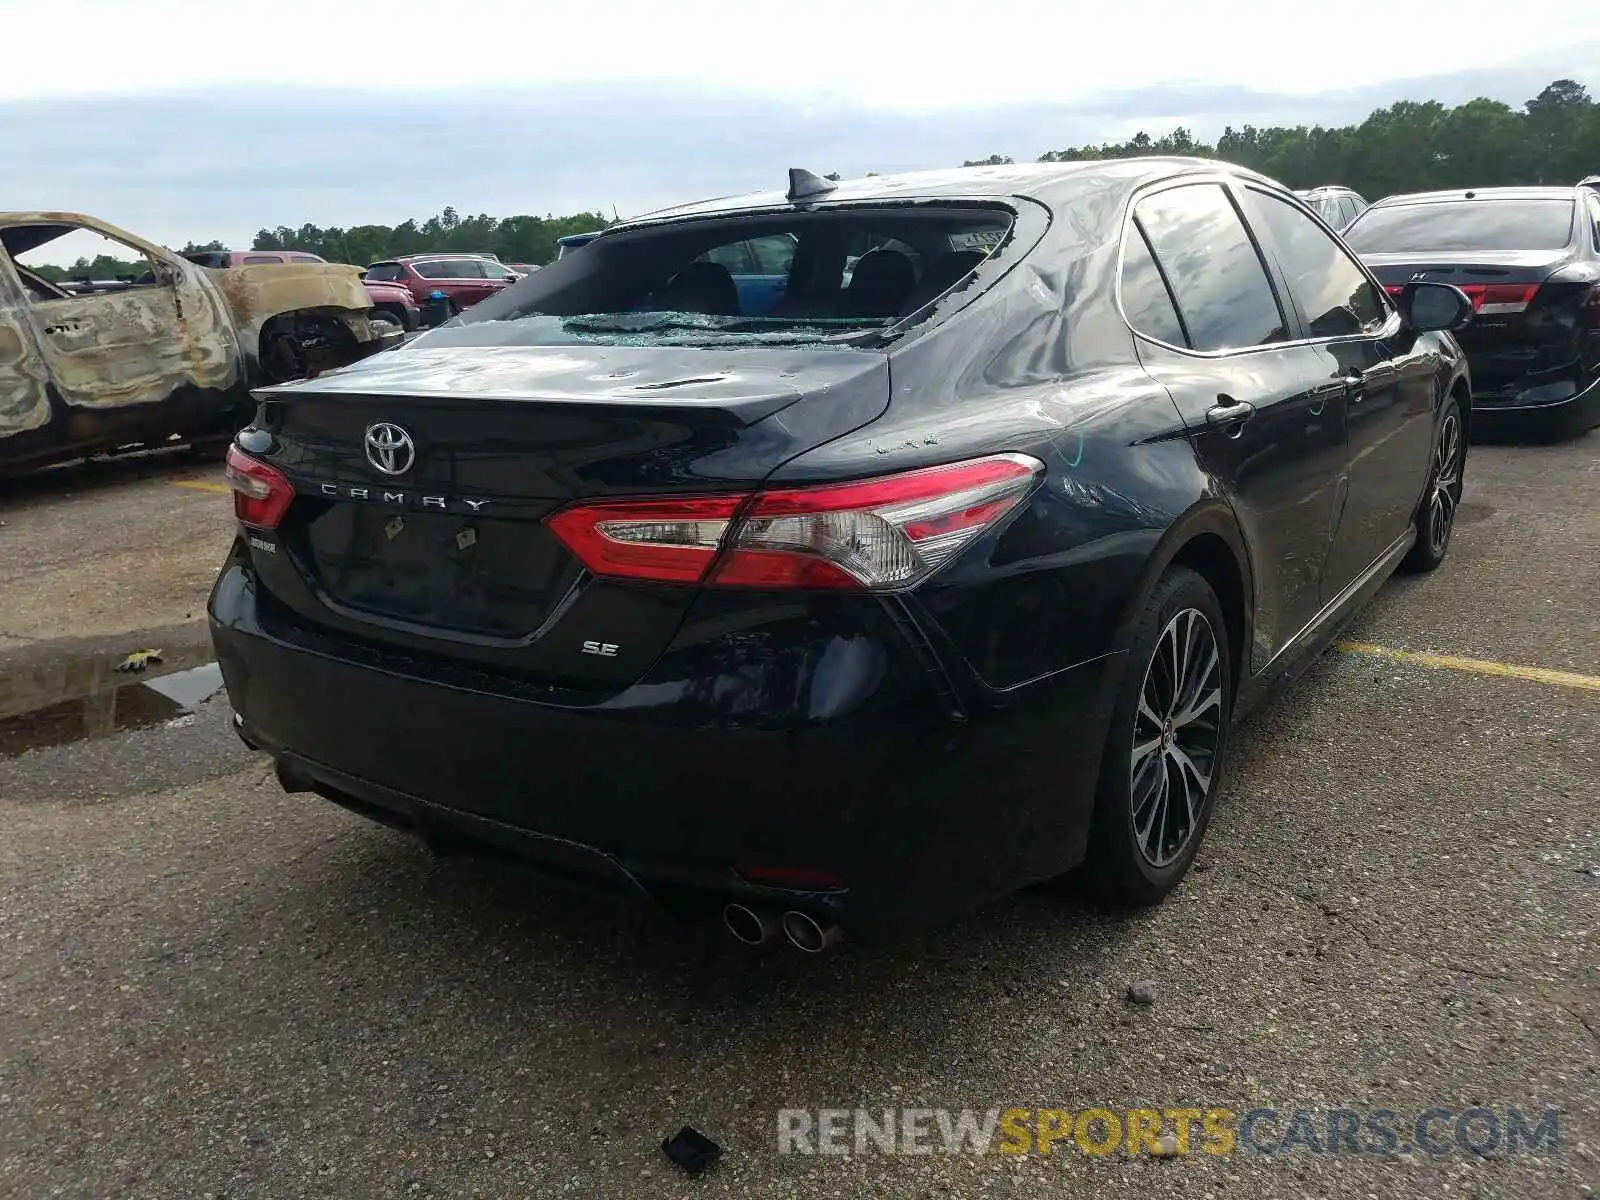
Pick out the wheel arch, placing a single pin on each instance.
(1207, 540)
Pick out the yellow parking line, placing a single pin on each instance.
(1478, 666)
(199, 485)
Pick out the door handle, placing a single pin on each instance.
(1230, 414)
(1355, 384)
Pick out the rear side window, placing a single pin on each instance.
(1594, 220)
(1223, 296)
(305, 258)
(1146, 301)
(1347, 212)
(450, 268)
(262, 258)
(1465, 225)
(1335, 295)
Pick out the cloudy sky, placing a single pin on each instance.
(208, 120)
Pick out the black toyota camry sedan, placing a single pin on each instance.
(841, 558)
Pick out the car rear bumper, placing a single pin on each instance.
(924, 803)
(1495, 417)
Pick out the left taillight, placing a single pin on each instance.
(261, 494)
(881, 534)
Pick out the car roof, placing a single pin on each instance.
(1326, 189)
(442, 254)
(1039, 181)
(1489, 193)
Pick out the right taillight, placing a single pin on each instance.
(882, 533)
(1498, 299)
(878, 534)
(261, 494)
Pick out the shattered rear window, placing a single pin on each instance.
(841, 275)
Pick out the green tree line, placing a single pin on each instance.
(521, 239)
(1408, 147)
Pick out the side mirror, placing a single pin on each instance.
(1432, 307)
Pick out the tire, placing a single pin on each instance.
(1138, 850)
(389, 317)
(1436, 515)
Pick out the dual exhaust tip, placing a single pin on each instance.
(757, 927)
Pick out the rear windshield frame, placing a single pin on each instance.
(1027, 220)
(1428, 214)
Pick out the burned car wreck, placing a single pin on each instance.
(170, 349)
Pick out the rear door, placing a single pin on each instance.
(1265, 418)
(1387, 375)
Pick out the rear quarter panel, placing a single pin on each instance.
(256, 294)
(1041, 365)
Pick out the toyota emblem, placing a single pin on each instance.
(390, 448)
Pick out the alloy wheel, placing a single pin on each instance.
(1446, 483)
(1176, 732)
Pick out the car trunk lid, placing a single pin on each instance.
(423, 479)
(1526, 319)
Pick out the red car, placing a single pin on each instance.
(391, 300)
(463, 278)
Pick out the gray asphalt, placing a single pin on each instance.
(209, 988)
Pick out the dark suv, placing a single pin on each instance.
(858, 610)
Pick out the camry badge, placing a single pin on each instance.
(390, 448)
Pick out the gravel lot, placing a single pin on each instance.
(208, 988)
